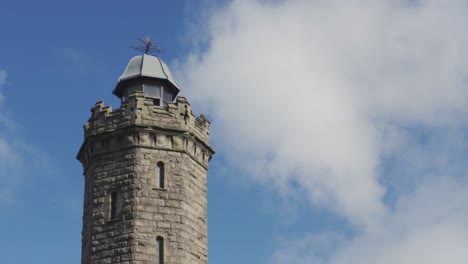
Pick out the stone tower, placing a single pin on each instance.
(145, 167)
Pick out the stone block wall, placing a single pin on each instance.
(120, 154)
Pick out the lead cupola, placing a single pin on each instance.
(150, 75)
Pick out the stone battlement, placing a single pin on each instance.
(141, 111)
(138, 122)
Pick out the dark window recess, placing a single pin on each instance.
(160, 175)
(113, 206)
(157, 102)
(160, 250)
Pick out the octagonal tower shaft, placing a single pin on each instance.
(145, 169)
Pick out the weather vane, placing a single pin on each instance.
(149, 48)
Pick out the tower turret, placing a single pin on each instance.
(150, 75)
(145, 167)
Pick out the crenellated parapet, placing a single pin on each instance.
(141, 123)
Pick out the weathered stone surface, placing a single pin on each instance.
(120, 154)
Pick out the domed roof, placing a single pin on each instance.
(146, 66)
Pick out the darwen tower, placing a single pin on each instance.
(145, 167)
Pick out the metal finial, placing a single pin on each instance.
(149, 48)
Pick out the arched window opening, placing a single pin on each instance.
(113, 205)
(160, 250)
(160, 175)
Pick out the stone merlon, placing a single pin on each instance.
(140, 112)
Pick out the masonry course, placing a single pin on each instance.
(120, 153)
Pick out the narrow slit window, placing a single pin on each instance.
(160, 175)
(160, 250)
(113, 205)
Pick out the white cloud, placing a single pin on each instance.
(3, 76)
(315, 98)
(17, 156)
(8, 157)
(427, 227)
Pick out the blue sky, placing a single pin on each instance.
(340, 126)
